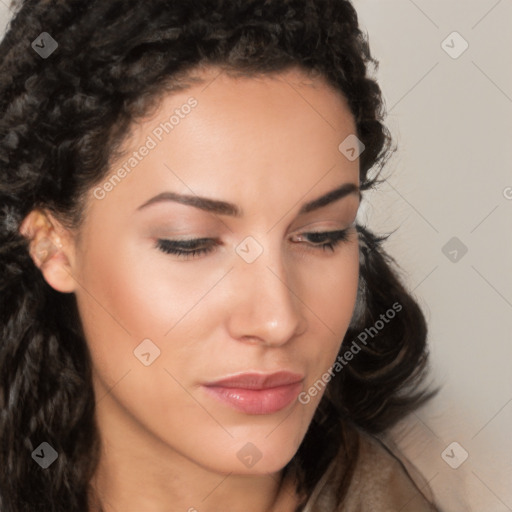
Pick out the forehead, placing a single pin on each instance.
(226, 96)
(297, 90)
(285, 112)
(236, 137)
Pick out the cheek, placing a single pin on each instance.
(332, 289)
(124, 302)
(139, 296)
(121, 304)
(330, 296)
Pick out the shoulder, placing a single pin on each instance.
(382, 483)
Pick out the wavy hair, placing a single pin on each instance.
(62, 121)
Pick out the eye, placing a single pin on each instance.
(334, 238)
(188, 249)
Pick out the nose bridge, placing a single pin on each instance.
(266, 305)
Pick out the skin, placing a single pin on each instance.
(268, 145)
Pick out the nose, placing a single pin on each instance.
(265, 308)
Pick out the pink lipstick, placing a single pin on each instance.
(257, 393)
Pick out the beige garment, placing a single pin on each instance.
(382, 484)
(379, 484)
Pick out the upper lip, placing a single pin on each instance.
(253, 380)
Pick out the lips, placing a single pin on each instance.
(254, 393)
(258, 380)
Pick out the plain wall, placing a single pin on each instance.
(451, 176)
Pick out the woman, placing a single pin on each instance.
(192, 317)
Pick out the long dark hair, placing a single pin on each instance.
(63, 116)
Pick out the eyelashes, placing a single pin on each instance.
(188, 249)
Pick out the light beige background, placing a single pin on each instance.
(451, 177)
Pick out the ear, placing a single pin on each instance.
(51, 248)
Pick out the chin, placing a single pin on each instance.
(264, 453)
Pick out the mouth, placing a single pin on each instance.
(256, 393)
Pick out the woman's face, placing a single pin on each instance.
(263, 297)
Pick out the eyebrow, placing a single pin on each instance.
(225, 208)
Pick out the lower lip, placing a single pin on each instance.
(256, 401)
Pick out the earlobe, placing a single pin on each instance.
(51, 251)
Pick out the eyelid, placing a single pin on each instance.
(216, 240)
(305, 230)
(190, 249)
(332, 224)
